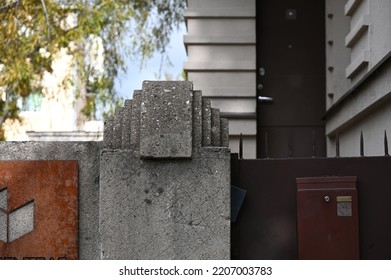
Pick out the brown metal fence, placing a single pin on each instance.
(266, 226)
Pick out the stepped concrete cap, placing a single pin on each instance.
(166, 125)
(165, 120)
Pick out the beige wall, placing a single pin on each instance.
(57, 108)
(62, 101)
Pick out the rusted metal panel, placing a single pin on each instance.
(327, 218)
(41, 209)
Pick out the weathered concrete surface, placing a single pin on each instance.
(216, 135)
(3, 198)
(21, 221)
(127, 124)
(166, 120)
(117, 128)
(224, 135)
(87, 155)
(3, 227)
(206, 123)
(3, 215)
(108, 133)
(135, 123)
(143, 197)
(168, 196)
(160, 209)
(197, 120)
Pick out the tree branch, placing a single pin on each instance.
(47, 17)
(9, 6)
(6, 112)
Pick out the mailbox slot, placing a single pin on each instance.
(327, 218)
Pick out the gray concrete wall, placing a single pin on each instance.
(158, 187)
(166, 199)
(159, 209)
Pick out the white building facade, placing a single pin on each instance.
(225, 41)
(222, 62)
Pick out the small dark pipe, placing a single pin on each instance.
(361, 144)
(386, 144)
(337, 154)
(290, 146)
(241, 146)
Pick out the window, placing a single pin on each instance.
(32, 103)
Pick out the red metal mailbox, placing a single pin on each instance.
(327, 218)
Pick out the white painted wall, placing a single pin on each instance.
(365, 93)
(372, 124)
(337, 55)
(222, 60)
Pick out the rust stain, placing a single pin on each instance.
(53, 187)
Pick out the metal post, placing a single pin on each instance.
(241, 146)
(337, 154)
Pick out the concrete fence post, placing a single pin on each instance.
(165, 177)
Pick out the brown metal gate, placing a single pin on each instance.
(266, 227)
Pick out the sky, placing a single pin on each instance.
(125, 84)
